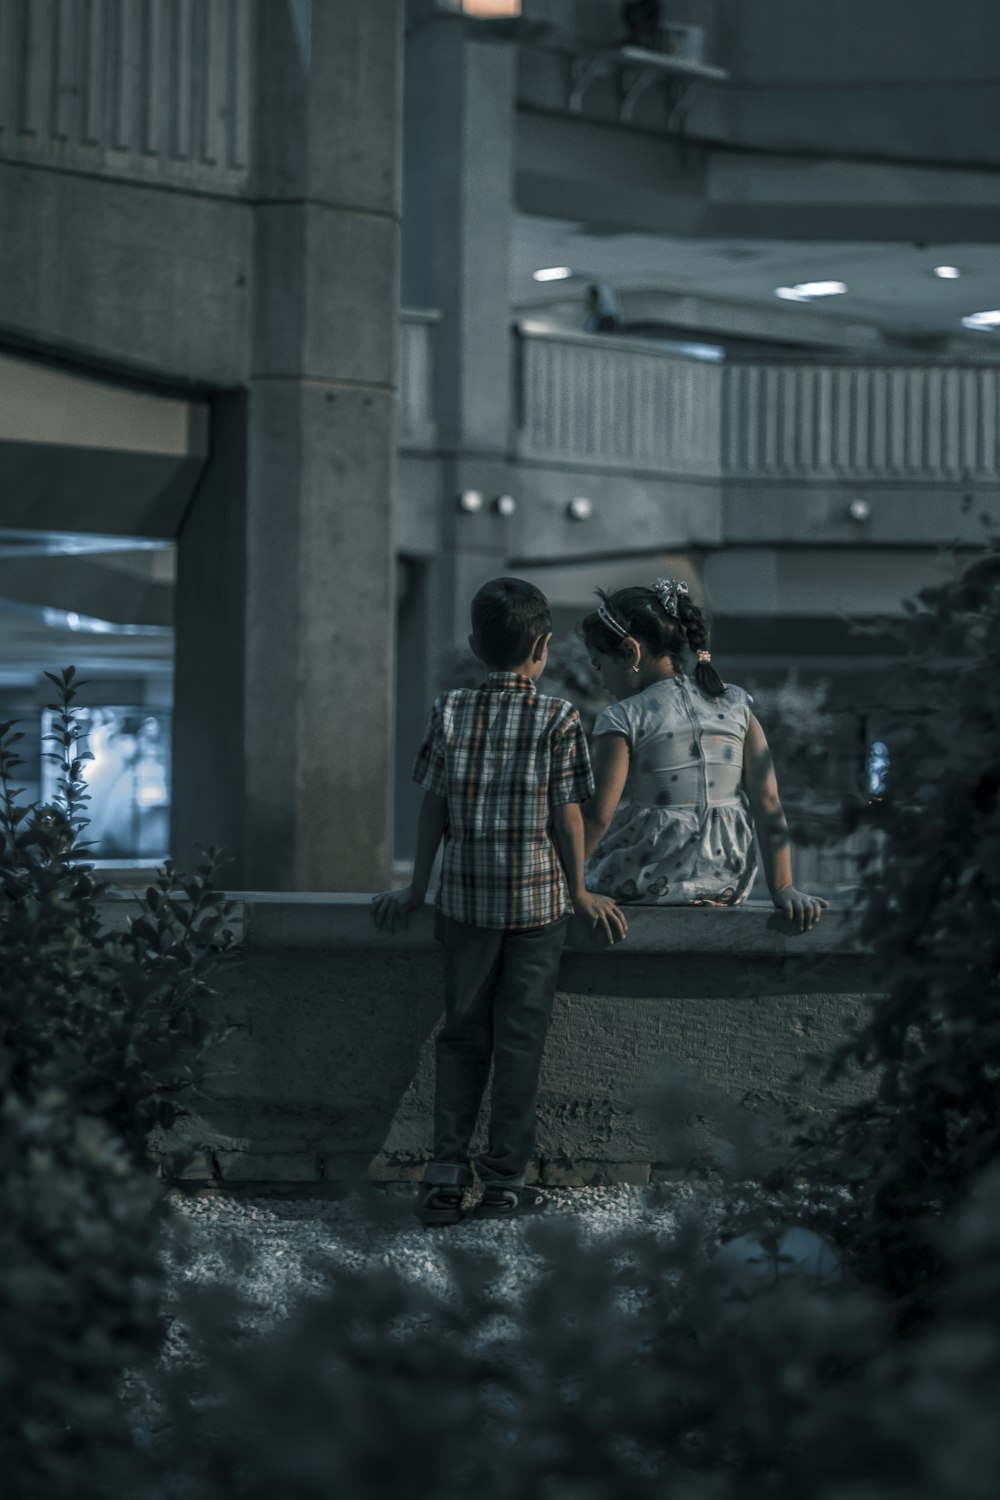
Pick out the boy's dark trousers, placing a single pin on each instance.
(499, 986)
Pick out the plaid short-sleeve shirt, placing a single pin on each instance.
(503, 755)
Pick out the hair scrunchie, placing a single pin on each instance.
(667, 591)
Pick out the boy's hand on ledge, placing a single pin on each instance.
(795, 906)
(602, 915)
(391, 910)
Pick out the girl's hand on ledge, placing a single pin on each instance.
(795, 906)
(391, 910)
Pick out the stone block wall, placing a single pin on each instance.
(682, 1049)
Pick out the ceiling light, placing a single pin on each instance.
(492, 9)
(580, 508)
(947, 273)
(470, 501)
(983, 320)
(805, 291)
(552, 273)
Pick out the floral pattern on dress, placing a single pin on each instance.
(682, 833)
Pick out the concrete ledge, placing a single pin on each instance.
(327, 1073)
(338, 921)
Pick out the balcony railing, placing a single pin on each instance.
(620, 404)
(616, 403)
(157, 91)
(864, 423)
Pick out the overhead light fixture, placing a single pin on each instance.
(947, 273)
(580, 508)
(505, 505)
(492, 9)
(470, 501)
(552, 273)
(805, 291)
(983, 320)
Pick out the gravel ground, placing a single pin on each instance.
(272, 1250)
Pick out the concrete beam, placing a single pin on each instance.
(118, 275)
(616, 180)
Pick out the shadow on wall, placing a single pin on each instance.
(323, 1049)
(327, 1075)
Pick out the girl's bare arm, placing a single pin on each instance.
(773, 837)
(610, 759)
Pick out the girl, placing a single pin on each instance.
(695, 761)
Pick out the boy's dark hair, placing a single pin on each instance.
(508, 615)
(641, 613)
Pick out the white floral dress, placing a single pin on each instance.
(682, 832)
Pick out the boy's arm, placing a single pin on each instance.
(600, 911)
(392, 909)
(609, 756)
(772, 831)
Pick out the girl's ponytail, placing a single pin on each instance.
(693, 622)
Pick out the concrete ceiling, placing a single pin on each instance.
(891, 288)
(855, 142)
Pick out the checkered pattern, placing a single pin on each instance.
(503, 755)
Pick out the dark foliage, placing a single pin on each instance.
(632, 1368)
(931, 913)
(101, 1036)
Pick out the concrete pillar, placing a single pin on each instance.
(293, 632)
(458, 177)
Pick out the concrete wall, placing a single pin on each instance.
(327, 1075)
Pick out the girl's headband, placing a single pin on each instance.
(607, 618)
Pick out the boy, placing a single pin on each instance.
(504, 771)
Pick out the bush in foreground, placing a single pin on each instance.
(101, 1035)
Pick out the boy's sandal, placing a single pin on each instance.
(440, 1205)
(510, 1203)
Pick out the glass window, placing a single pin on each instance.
(128, 780)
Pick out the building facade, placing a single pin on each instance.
(298, 345)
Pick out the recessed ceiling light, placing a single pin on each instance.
(983, 320)
(552, 273)
(805, 291)
(947, 273)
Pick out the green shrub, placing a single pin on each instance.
(101, 1036)
(931, 914)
